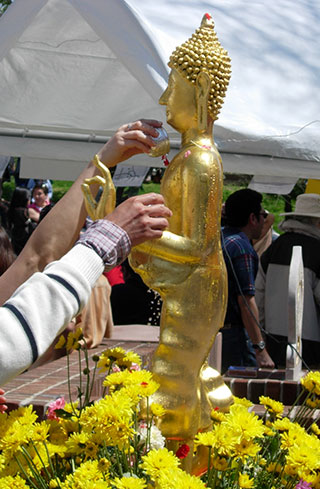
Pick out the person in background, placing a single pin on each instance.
(244, 217)
(38, 182)
(7, 255)
(301, 228)
(39, 201)
(20, 223)
(267, 235)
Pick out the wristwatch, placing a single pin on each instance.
(259, 346)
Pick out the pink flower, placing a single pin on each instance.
(303, 485)
(115, 368)
(187, 153)
(57, 404)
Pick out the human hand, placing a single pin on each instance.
(143, 217)
(129, 140)
(3, 400)
(263, 359)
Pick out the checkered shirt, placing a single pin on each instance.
(108, 240)
(242, 260)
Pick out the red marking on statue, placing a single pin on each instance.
(182, 451)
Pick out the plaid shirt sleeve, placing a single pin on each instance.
(243, 263)
(108, 240)
(244, 268)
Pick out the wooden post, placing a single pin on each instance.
(295, 315)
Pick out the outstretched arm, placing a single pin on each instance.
(65, 285)
(57, 233)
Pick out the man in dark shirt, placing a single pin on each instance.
(244, 220)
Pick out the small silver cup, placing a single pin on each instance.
(162, 146)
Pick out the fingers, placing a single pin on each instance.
(141, 131)
(147, 126)
(149, 199)
(143, 217)
(130, 139)
(158, 210)
(3, 400)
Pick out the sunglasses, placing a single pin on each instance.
(264, 214)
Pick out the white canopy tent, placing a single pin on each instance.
(72, 71)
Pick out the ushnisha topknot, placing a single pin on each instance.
(203, 52)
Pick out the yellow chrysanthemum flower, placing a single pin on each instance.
(273, 407)
(206, 439)
(283, 424)
(245, 481)
(157, 460)
(245, 449)
(243, 401)
(224, 439)
(25, 415)
(110, 419)
(311, 382)
(15, 437)
(217, 416)
(130, 358)
(129, 483)
(60, 343)
(39, 432)
(104, 465)
(220, 463)
(54, 483)
(10, 482)
(73, 341)
(84, 476)
(76, 443)
(315, 429)
(294, 435)
(178, 479)
(313, 403)
(268, 431)
(115, 353)
(141, 379)
(157, 409)
(303, 459)
(243, 424)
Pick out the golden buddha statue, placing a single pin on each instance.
(186, 264)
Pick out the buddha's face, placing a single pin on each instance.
(180, 99)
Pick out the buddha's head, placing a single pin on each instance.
(199, 64)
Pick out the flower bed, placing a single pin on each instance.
(106, 444)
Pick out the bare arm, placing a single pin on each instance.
(57, 233)
(251, 322)
(33, 214)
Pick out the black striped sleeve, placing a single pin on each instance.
(66, 284)
(26, 328)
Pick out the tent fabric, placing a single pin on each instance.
(72, 71)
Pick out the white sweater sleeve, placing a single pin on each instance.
(41, 308)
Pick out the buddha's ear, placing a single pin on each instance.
(202, 94)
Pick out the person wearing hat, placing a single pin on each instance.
(301, 228)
